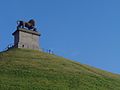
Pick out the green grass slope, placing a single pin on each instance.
(33, 70)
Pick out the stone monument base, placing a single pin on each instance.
(24, 38)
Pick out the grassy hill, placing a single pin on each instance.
(22, 69)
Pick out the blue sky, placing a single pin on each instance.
(87, 31)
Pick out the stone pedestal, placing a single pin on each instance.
(24, 38)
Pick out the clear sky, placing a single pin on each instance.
(87, 31)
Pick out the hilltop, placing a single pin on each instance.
(22, 69)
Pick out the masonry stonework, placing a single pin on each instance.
(24, 38)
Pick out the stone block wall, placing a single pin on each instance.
(24, 38)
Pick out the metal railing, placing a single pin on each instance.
(9, 46)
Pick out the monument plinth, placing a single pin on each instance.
(24, 38)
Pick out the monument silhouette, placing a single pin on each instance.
(26, 35)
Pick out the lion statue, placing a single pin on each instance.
(30, 25)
